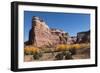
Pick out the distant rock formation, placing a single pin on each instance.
(41, 35)
(83, 37)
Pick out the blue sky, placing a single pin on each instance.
(68, 22)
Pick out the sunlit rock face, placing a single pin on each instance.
(41, 35)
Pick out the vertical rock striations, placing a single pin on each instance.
(41, 35)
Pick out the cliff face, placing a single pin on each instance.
(41, 35)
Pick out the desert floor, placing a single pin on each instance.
(80, 54)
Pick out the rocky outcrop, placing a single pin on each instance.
(72, 40)
(83, 37)
(41, 35)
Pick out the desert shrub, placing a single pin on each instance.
(60, 47)
(31, 50)
(64, 55)
(73, 51)
(68, 56)
(59, 56)
(76, 46)
(64, 52)
(36, 52)
(63, 47)
(36, 56)
(87, 45)
(71, 47)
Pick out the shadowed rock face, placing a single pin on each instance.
(41, 35)
(83, 37)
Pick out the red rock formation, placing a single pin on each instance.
(41, 35)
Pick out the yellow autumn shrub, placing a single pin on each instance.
(31, 50)
(63, 47)
(87, 45)
(76, 46)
